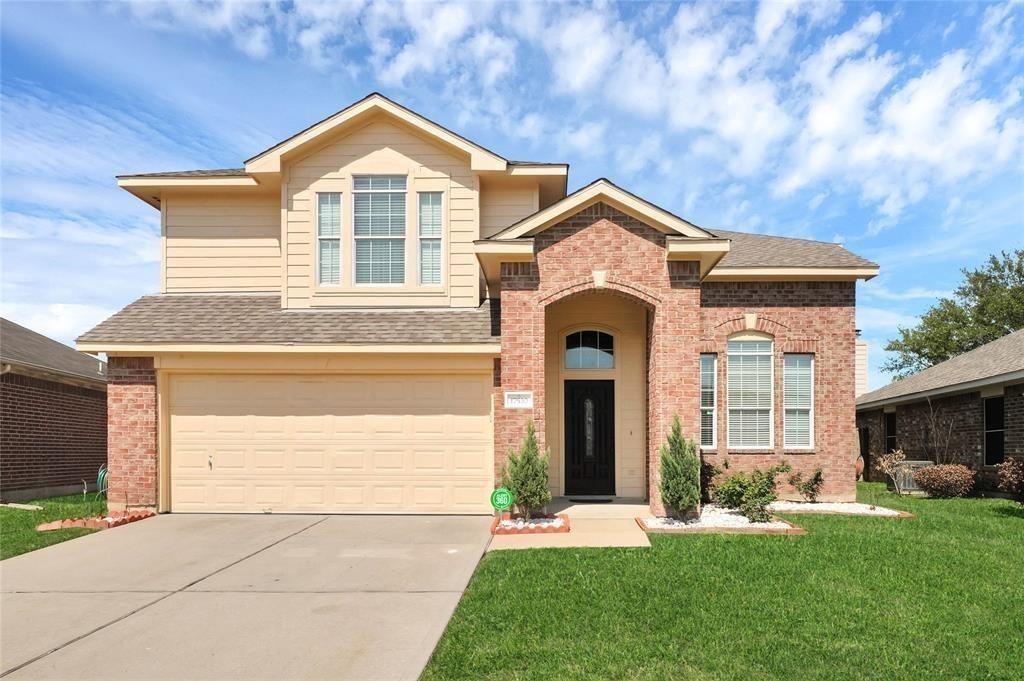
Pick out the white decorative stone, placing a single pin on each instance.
(848, 508)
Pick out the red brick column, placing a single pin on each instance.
(131, 433)
(522, 360)
(672, 383)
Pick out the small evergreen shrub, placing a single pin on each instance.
(810, 488)
(1011, 478)
(680, 473)
(752, 492)
(526, 475)
(945, 480)
(729, 492)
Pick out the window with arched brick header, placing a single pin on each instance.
(749, 391)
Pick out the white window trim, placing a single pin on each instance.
(405, 242)
(771, 405)
(985, 430)
(441, 239)
(339, 238)
(714, 404)
(810, 419)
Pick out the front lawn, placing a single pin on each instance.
(18, 528)
(937, 597)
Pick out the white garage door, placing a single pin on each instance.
(326, 444)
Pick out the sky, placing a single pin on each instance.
(896, 129)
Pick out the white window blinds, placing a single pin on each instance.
(798, 396)
(328, 232)
(379, 228)
(430, 237)
(708, 400)
(749, 393)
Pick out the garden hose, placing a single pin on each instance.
(101, 482)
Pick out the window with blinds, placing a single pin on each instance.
(749, 393)
(708, 400)
(798, 399)
(430, 237)
(378, 227)
(328, 235)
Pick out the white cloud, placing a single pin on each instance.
(882, 320)
(586, 139)
(60, 321)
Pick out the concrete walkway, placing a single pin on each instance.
(591, 525)
(239, 597)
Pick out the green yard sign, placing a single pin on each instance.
(502, 499)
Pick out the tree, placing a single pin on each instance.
(526, 474)
(987, 305)
(680, 473)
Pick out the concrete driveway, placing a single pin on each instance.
(239, 597)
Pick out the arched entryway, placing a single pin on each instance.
(596, 382)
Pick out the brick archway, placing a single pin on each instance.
(631, 256)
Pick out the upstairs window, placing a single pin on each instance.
(798, 399)
(749, 393)
(379, 228)
(589, 350)
(995, 430)
(328, 235)
(430, 238)
(708, 401)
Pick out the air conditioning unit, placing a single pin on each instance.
(906, 475)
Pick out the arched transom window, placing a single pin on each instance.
(589, 350)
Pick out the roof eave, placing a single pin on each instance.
(953, 389)
(792, 273)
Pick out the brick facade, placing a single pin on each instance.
(685, 318)
(965, 413)
(132, 433)
(802, 317)
(52, 435)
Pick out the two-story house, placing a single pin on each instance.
(365, 316)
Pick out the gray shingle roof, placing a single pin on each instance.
(211, 172)
(19, 345)
(259, 319)
(762, 250)
(992, 360)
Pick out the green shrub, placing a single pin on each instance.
(945, 480)
(729, 492)
(680, 473)
(1011, 478)
(810, 488)
(752, 492)
(526, 474)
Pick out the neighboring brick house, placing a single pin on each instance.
(365, 317)
(969, 410)
(53, 416)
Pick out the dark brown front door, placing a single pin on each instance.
(590, 437)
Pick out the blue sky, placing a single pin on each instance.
(896, 129)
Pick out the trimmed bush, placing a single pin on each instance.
(1011, 478)
(752, 492)
(945, 480)
(680, 473)
(526, 475)
(810, 488)
(729, 492)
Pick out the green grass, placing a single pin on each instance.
(939, 596)
(18, 528)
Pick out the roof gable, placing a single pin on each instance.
(605, 191)
(269, 161)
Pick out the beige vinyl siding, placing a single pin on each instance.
(378, 148)
(627, 322)
(506, 204)
(221, 243)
